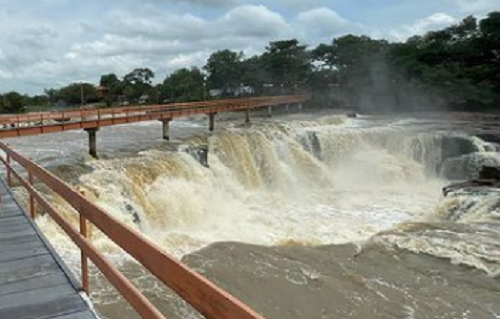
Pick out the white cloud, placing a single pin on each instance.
(421, 26)
(76, 40)
(324, 22)
(253, 21)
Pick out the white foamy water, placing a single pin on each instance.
(303, 181)
(300, 182)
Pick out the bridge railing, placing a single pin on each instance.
(203, 295)
(83, 115)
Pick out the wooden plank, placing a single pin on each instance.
(12, 213)
(19, 240)
(24, 245)
(13, 220)
(35, 296)
(27, 268)
(18, 234)
(17, 227)
(47, 309)
(87, 314)
(32, 283)
(22, 254)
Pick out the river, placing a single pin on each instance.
(301, 216)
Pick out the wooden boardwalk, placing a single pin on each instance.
(34, 282)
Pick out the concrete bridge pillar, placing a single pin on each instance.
(166, 128)
(247, 116)
(92, 132)
(269, 111)
(211, 121)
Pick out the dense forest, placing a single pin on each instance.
(457, 68)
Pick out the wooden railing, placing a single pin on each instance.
(48, 122)
(199, 292)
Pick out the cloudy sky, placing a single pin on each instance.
(49, 43)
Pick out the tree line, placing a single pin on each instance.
(457, 67)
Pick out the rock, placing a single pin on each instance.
(455, 146)
(199, 153)
(490, 173)
(489, 177)
(488, 137)
(467, 166)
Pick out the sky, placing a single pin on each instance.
(51, 43)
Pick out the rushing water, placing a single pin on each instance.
(329, 217)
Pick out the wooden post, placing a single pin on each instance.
(84, 260)
(166, 128)
(247, 116)
(31, 199)
(92, 141)
(9, 173)
(211, 121)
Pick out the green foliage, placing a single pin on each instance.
(109, 80)
(254, 74)
(137, 83)
(184, 85)
(457, 67)
(224, 70)
(287, 63)
(12, 102)
(459, 64)
(75, 92)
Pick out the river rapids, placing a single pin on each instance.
(306, 216)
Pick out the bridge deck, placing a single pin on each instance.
(34, 282)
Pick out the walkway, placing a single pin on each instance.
(34, 282)
(57, 121)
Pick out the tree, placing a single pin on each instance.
(457, 65)
(139, 76)
(254, 74)
(224, 70)
(360, 66)
(52, 95)
(12, 102)
(184, 85)
(112, 88)
(287, 63)
(109, 80)
(72, 94)
(137, 83)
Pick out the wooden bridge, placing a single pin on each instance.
(34, 281)
(91, 120)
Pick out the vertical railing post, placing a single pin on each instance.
(9, 173)
(84, 260)
(31, 199)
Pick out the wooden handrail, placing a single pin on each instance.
(142, 305)
(210, 300)
(81, 113)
